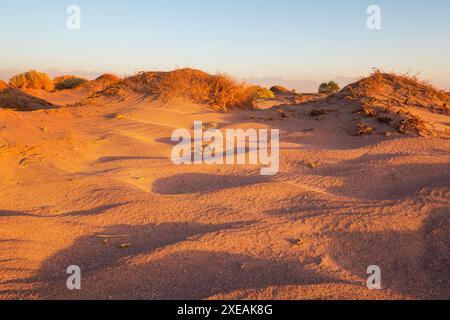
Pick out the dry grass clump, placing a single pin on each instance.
(262, 93)
(396, 100)
(368, 110)
(363, 129)
(279, 90)
(68, 82)
(413, 124)
(446, 108)
(32, 80)
(397, 90)
(385, 119)
(219, 91)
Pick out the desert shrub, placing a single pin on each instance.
(363, 129)
(401, 89)
(413, 124)
(218, 91)
(279, 90)
(329, 88)
(368, 110)
(32, 80)
(263, 93)
(384, 119)
(227, 93)
(67, 82)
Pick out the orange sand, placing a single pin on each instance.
(339, 204)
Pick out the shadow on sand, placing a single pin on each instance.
(415, 264)
(190, 183)
(107, 272)
(79, 213)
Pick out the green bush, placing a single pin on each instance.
(68, 82)
(32, 80)
(263, 93)
(329, 88)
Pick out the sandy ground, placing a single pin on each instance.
(340, 203)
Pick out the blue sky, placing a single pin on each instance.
(291, 39)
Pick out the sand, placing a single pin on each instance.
(94, 186)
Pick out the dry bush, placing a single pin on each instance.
(394, 99)
(219, 91)
(279, 90)
(68, 82)
(385, 119)
(32, 80)
(368, 110)
(414, 125)
(262, 93)
(363, 129)
(400, 89)
(446, 109)
(227, 93)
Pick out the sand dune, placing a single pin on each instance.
(13, 98)
(94, 186)
(75, 95)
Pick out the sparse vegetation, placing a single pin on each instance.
(394, 99)
(68, 82)
(445, 108)
(363, 129)
(396, 90)
(318, 112)
(32, 80)
(263, 93)
(384, 119)
(219, 91)
(329, 88)
(279, 90)
(118, 116)
(368, 110)
(414, 125)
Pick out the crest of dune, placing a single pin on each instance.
(13, 98)
(95, 186)
(101, 82)
(3, 85)
(220, 92)
(406, 103)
